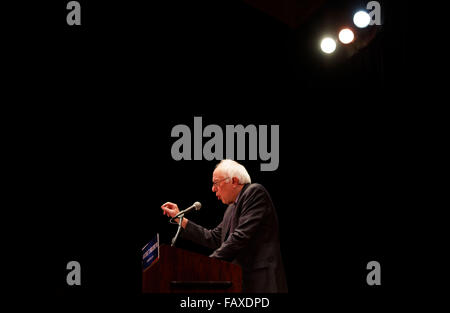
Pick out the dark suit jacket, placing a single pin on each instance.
(247, 236)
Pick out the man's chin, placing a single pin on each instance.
(221, 199)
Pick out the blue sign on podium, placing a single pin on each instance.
(150, 253)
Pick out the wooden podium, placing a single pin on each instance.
(181, 271)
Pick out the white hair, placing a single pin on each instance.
(233, 169)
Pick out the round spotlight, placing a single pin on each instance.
(361, 19)
(346, 36)
(328, 45)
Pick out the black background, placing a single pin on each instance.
(95, 143)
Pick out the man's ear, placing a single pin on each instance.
(235, 181)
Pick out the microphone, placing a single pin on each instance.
(197, 205)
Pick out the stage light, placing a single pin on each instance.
(346, 36)
(328, 45)
(361, 19)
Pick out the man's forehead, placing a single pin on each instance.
(217, 173)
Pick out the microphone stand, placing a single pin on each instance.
(174, 239)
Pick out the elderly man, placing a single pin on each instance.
(248, 234)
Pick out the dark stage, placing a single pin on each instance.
(97, 143)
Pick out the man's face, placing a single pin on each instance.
(222, 186)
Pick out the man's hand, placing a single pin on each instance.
(171, 209)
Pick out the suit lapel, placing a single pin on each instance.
(227, 222)
(237, 209)
(232, 215)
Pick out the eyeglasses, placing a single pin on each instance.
(216, 183)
